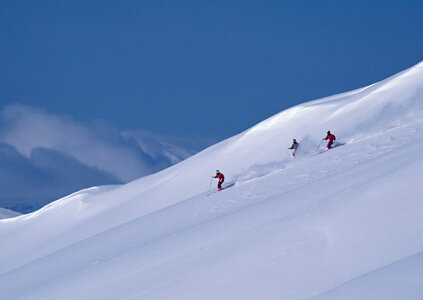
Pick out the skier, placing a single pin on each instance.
(294, 147)
(221, 179)
(331, 138)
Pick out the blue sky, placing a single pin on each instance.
(197, 68)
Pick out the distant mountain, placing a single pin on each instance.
(44, 156)
(6, 213)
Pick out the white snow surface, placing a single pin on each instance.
(342, 224)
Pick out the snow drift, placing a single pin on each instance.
(334, 225)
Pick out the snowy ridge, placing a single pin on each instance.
(399, 280)
(316, 226)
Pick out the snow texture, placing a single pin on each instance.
(343, 224)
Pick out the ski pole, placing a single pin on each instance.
(318, 147)
(210, 185)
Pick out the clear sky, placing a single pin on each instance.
(198, 68)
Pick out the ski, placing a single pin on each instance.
(223, 188)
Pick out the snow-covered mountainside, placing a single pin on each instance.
(339, 224)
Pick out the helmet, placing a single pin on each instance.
(217, 172)
(328, 132)
(294, 140)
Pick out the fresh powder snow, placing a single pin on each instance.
(345, 223)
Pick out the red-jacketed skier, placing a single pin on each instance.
(331, 138)
(221, 180)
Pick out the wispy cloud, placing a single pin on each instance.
(44, 155)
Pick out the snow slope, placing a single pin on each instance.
(341, 224)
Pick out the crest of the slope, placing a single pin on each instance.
(366, 107)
